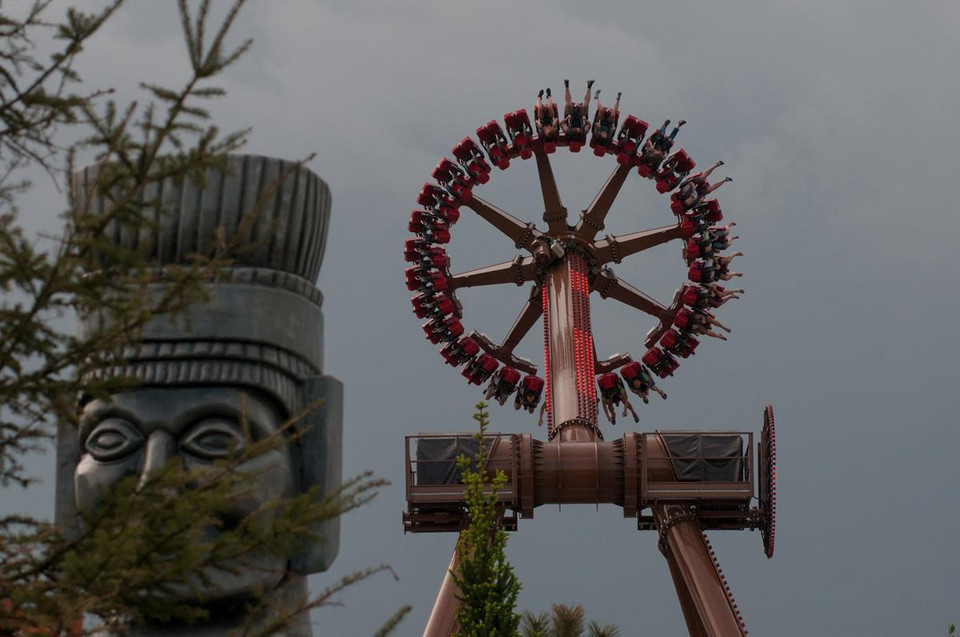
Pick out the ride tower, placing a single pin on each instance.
(677, 483)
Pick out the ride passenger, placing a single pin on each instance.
(697, 187)
(642, 383)
(606, 123)
(659, 143)
(575, 114)
(544, 118)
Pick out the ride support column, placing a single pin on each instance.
(569, 358)
(443, 617)
(705, 598)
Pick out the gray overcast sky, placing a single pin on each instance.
(837, 119)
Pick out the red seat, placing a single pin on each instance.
(645, 169)
(631, 370)
(699, 272)
(471, 158)
(456, 353)
(415, 245)
(604, 121)
(575, 146)
(674, 169)
(529, 392)
(611, 387)
(443, 329)
(660, 362)
(606, 382)
(413, 249)
(694, 250)
(629, 139)
(682, 319)
(425, 280)
(693, 296)
(435, 257)
(437, 236)
(677, 343)
(435, 305)
(676, 205)
(710, 210)
(438, 201)
(637, 378)
(549, 144)
(503, 383)
(520, 132)
(495, 143)
(480, 369)
(691, 226)
(421, 221)
(452, 177)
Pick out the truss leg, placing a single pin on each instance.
(443, 618)
(707, 603)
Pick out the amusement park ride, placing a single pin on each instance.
(678, 483)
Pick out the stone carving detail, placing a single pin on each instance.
(260, 334)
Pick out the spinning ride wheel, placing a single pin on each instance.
(562, 263)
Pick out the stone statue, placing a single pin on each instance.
(260, 335)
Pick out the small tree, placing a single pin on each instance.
(488, 586)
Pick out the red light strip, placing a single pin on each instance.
(582, 339)
(546, 357)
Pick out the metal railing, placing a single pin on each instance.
(739, 489)
(437, 480)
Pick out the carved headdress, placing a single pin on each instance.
(262, 328)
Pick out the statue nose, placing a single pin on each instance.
(160, 448)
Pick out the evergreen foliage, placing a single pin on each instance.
(487, 584)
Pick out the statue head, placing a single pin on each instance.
(253, 353)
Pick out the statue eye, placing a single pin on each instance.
(213, 439)
(112, 439)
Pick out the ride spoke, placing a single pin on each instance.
(591, 221)
(666, 320)
(528, 317)
(503, 355)
(554, 213)
(517, 271)
(523, 235)
(614, 249)
(611, 287)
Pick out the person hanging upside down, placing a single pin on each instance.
(706, 318)
(575, 114)
(699, 322)
(545, 117)
(613, 395)
(717, 295)
(720, 237)
(659, 143)
(722, 265)
(605, 124)
(642, 383)
(697, 187)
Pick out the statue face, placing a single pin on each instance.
(139, 431)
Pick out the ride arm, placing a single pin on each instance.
(615, 249)
(518, 271)
(554, 212)
(591, 221)
(529, 315)
(523, 235)
(611, 287)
